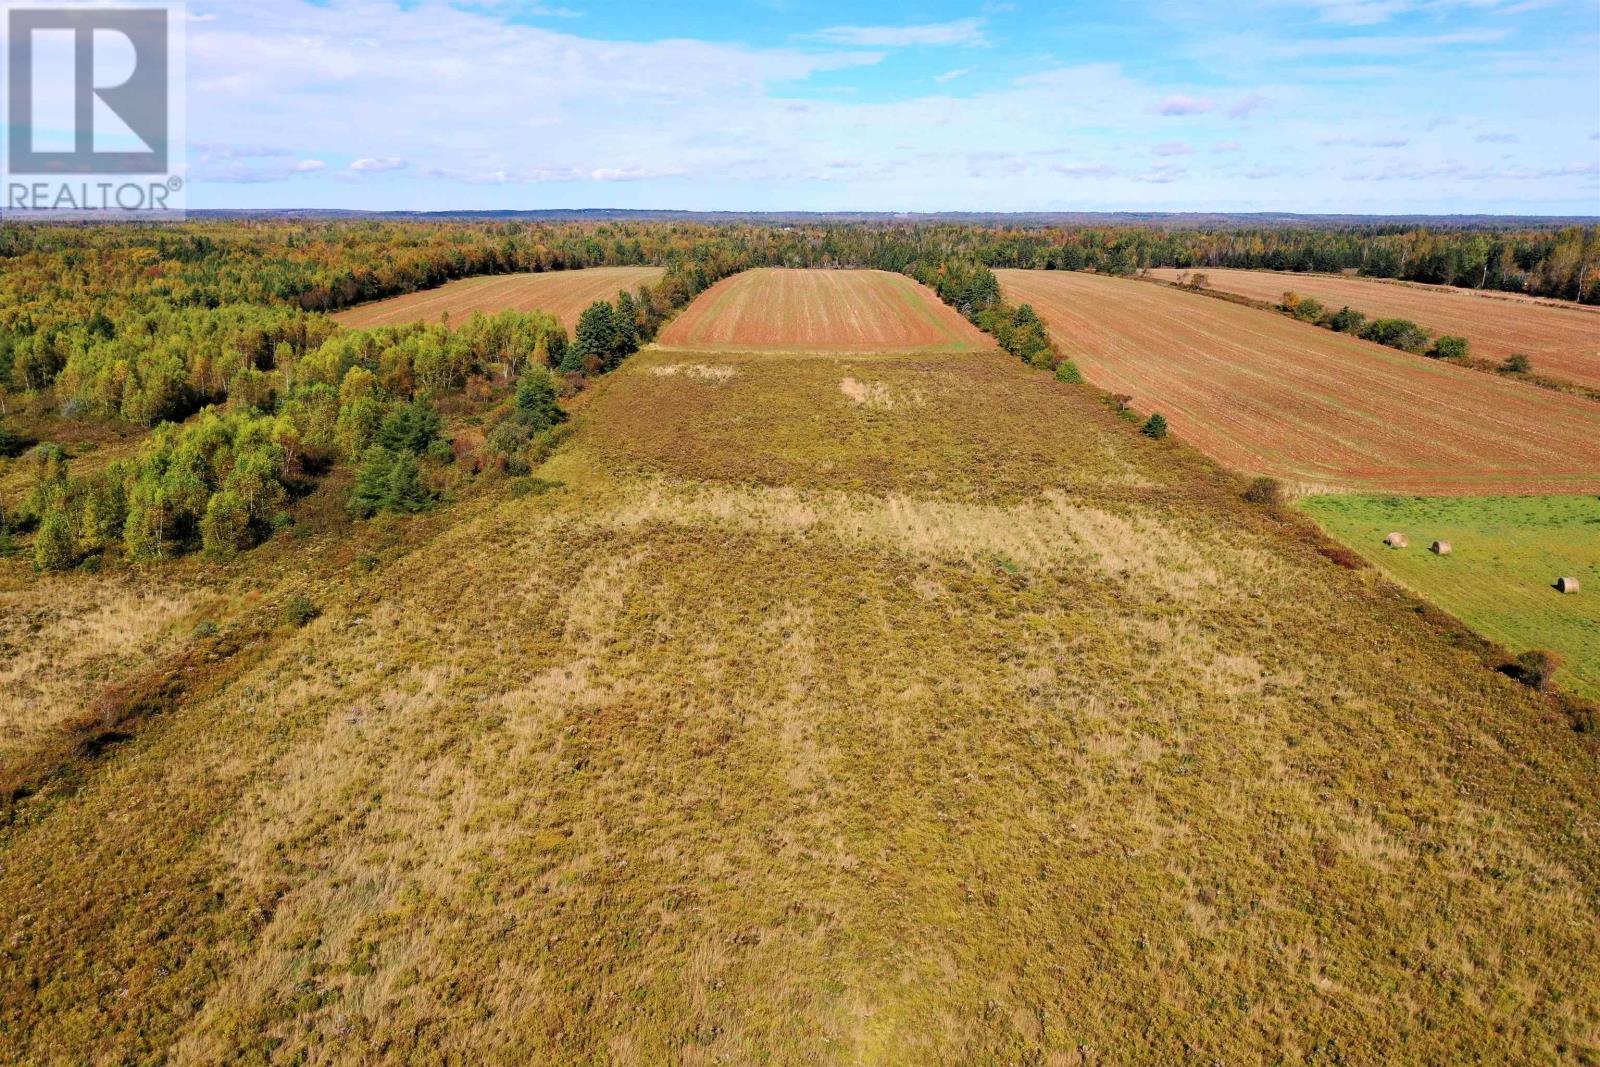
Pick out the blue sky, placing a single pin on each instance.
(1373, 106)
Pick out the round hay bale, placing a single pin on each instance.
(1440, 548)
(1396, 540)
(1567, 585)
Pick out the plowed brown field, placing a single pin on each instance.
(563, 293)
(823, 311)
(1563, 340)
(1268, 395)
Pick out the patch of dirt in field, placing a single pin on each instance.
(714, 373)
(868, 394)
(1268, 395)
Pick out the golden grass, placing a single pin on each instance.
(64, 639)
(981, 730)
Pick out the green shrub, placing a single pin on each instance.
(1397, 333)
(1067, 371)
(298, 611)
(1155, 426)
(1517, 363)
(410, 428)
(1345, 320)
(536, 400)
(1449, 347)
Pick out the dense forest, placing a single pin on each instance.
(154, 325)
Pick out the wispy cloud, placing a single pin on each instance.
(1246, 106)
(1172, 148)
(1183, 104)
(951, 75)
(378, 166)
(925, 35)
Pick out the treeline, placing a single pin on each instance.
(300, 404)
(973, 290)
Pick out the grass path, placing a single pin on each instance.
(937, 717)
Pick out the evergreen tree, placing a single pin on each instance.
(410, 428)
(597, 335)
(536, 400)
(388, 481)
(1155, 426)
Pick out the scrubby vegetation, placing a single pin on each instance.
(1396, 333)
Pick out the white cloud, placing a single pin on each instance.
(685, 123)
(1172, 148)
(378, 166)
(929, 34)
(951, 75)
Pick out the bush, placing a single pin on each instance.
(1517, 363)
(1267, 492)
(1067, 371)
(298, 611)
(441, 452)
(1397, 333)
(1345, 320)
(1449, 347)
(1537, 668)
(1155, 427)
(1307, 309)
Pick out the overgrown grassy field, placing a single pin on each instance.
(829, 708)
(1508, 552)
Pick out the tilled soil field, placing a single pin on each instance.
(1268, 395)
(1562, 340)
(822, 311)
(563, 293)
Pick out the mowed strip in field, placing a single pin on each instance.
(1562, 340)
(562, 293)
(1268, 395)
(1499, 578)
(822, 311)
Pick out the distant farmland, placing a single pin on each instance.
(824, 311)
(1563, 340)
(563, 293)
(1268, 395)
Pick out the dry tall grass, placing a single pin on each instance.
(798, 731)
